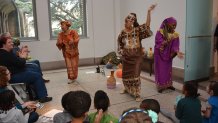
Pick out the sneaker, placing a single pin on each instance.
(46, 80)
(45, 99)
(71, 81)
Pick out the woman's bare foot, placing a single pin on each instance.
(123, 91)
(138, 99)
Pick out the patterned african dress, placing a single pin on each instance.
(164, 52)
(70, 52)
(130, 47)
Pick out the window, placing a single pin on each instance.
(18, 18)
(72, 10)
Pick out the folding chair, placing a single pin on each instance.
(19, 99)
(19, 89)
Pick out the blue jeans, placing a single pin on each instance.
(31, 78)
(34, 65)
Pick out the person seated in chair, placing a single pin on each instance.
(5, 101)
(33, 65)
(19, 73)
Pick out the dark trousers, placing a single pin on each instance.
(33, 117)
(34, 65)
(33, 79)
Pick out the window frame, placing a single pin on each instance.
(85, 30)
(36, 38)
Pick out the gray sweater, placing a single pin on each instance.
(62, 117)
(14, 115)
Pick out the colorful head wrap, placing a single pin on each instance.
(68, 23)
(169, 20)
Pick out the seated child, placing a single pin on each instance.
(188, 109)
(78, 106)
(102, 102)
(211, 113)
(65, 116)
(151, 104)
(9, 113)
(135, 115)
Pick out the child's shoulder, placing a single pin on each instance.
(109, 117)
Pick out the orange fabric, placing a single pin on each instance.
(68, 43)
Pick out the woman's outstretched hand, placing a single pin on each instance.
(152, 7)
(180, 55)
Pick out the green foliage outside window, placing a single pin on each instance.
(71, 10)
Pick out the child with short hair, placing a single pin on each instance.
(135, 115)
(150, 104)
(65, 116)
(211, 113)
(78, 105)
(153, 105)
(102, 102)
(188, 109)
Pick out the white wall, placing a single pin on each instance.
(105, 21)
(101, 32)
(176, 8)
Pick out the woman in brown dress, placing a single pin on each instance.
(130, 47)
(68, 42)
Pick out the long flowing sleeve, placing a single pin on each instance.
(59, 43)
(75, 37)
(145, 31)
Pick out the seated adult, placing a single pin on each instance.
(32, 65)
(19, 73)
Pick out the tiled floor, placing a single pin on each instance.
(90, 82)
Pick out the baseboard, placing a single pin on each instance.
(61, 64)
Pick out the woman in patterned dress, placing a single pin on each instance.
(68, 42)
(130, 47)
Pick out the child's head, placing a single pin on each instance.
(150, 104)
(78, 104)
(190, 90)
(65, 100)
(4, 76)
(16, 42)
(135, 115)
(101, 100)
(7, 98)
(212, 88)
